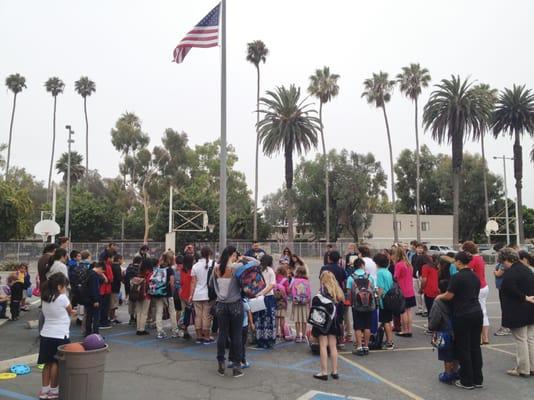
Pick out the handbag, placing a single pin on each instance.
(257, 304)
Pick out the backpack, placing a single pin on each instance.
(322, 313)
(79, 284)
(250, 280)
(137, 289)
(363, 298)
(280, 295)
(378, 339)
(442, 340)
(211, 291)
(394, 300)
(301, 292)
(157, 286)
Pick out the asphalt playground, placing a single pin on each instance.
(148, 368)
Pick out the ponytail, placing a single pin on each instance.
(205, 252)
(225, 256)
(50, 288)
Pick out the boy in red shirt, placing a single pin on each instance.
(105, 293)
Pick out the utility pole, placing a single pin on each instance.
(67, 207)
(222, 183)
(504, 158)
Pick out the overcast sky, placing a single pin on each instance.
(126, 47)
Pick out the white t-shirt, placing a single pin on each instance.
(370, 267)
(57, 319)
(200, 272)
(58, 266)
(270, 279)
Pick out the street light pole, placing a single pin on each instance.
(67, 206)
(504, 158)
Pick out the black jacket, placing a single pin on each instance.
(517, 283)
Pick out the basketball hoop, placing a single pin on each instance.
(45, 228)
(211, 227)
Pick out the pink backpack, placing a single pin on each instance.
(301, 291)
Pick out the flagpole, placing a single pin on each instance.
(222, 191)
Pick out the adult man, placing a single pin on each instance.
(255, 251)
(412, 251)
(329, 248)
(108, 252)
(370, 266)
(64, 242)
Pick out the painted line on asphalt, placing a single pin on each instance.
(316, 395)
(375, 375)
(14, 395)
(499, 350)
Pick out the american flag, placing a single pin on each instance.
(204, 34)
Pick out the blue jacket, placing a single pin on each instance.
(94, 288)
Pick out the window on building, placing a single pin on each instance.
(399, 225)
(425, 226)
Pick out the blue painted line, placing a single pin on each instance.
(324, 396)
(304, 362)
(14, 395)
(359, 372)
(118, 334)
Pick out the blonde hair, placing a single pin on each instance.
(301, 272)
(329, 282)
(398, 254)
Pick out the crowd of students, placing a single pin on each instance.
(366, 301)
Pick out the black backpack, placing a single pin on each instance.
(394, 300)
(211, 291)
(79, 284)
(378, 339)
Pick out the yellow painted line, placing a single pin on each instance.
(393, 385)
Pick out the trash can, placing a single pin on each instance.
(81, 374)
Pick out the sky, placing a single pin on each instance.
(126, 47)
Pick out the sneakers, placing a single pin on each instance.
(515, 372)
(230, 365)
(389, 346)
(220, 370)
(245, 365)
(365, 350)
(116, 322)
(237, 373)
(175, 333)
(445, 377)
(459, 384)
(208, 341)
(43, 394)
(105, 326)
(199, 341)
(52, 394)
(359, 352)
(131, 321)
(141, 333)
(503, 332)
(161, 335)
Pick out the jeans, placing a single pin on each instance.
(524, 340)
(14, 306)
(3, 308)
(104, 309)
(244, 337)
(230, 320)
(467, 330)
(92, 319)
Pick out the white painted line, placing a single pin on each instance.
(30, 359)
(400, 389)
(500, 350)
(312, 393)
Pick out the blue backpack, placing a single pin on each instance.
(157, 286)
(250, 280)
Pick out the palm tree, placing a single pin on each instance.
(77, 170)
(15, 83)
(490, 94)
(451, 114)
(288, 125)
(411, 81)
(323, 85)
(85, 87)
(256, 53)
(54, 86)
(514, 115)
(378, 92)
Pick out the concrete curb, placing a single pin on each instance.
(30, 359)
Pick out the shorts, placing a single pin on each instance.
(410, 302)
(48, 349)
(361, 320)
(385, 316)
(446, 354)
(114, 301)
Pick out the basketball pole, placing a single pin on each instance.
(170, 209)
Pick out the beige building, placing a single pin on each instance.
(434, 229)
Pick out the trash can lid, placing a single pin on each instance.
(20, 369)
(7, 375)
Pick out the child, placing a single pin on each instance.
(5, 292)
(131, 272)
(115, 287)
(248, 322)
(57, 312)
(85, 262)
(358, 284)
(17, 289)
(301, 293)
(429, 282)
(93, 303)
(27, 287)
(281, 289)
(105, 293)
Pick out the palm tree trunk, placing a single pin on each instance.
(146, 216)
(86, 135)
(457, 160)
(255, 229)
(485, 178)
(417, 178)
(393, 200)
(53, 149)
(327, 188)
(289, 190)
(10, 134)
(518, 174)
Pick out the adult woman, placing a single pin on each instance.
(463, 291)
(526, 259)
(265, 321)
(517, 296)
(57, 263)
(478, 266)
(142, 306)
(200, 295)
(328, 341)
(286, 256)
(404, 277)
(229, 309)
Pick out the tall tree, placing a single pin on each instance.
(412, 79)
(323, 85)
(490, 94)
(77, 170)
(85, 87)
(256, 53)
(16, 83)
(514, 115)
(378, 92)
(288, 125)
(54, 86)
(451, 114)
